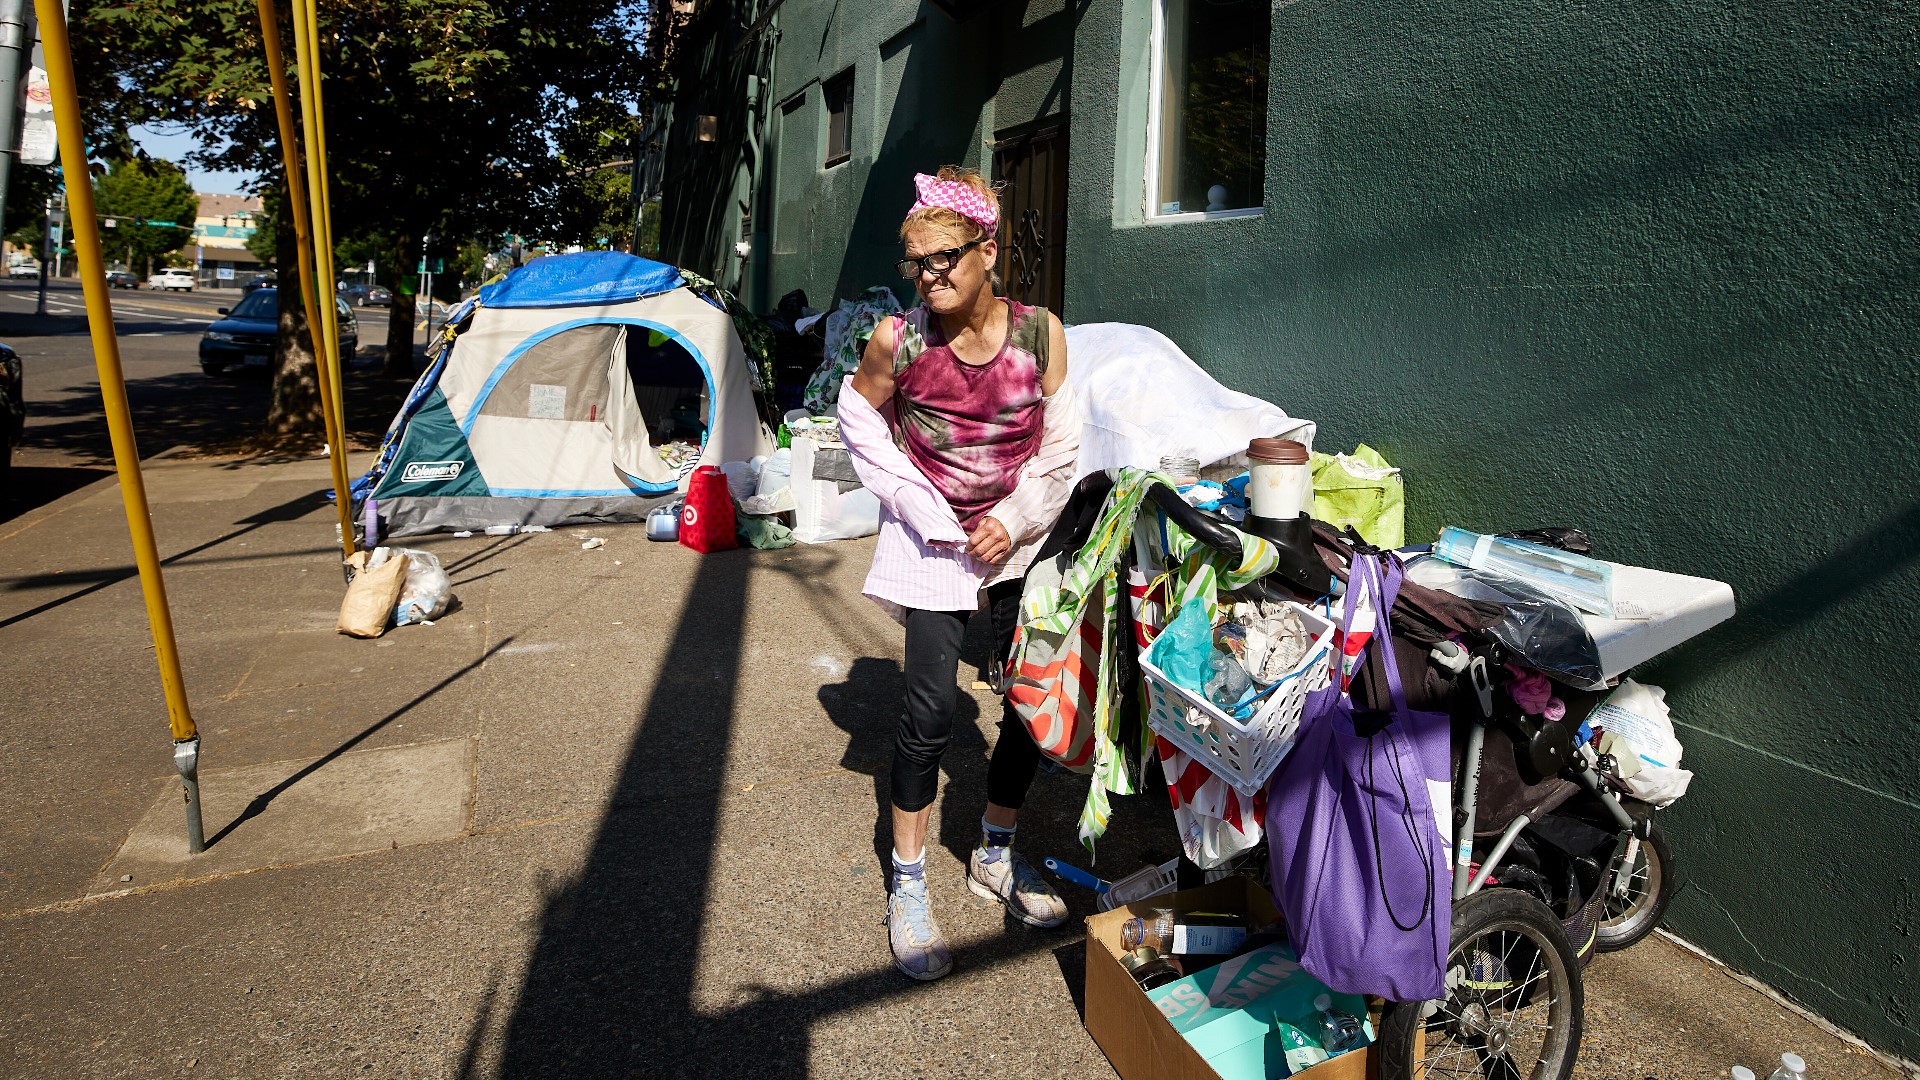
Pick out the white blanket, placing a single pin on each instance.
(1144, 399)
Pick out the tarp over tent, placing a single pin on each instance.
(541, 409)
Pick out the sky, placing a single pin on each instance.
(157, 141)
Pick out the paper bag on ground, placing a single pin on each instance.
(371, 597)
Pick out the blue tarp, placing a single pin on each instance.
(585, 277)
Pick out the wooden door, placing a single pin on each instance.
(1031, 166)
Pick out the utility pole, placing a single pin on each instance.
(14, 44)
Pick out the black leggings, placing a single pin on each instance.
(933, 662)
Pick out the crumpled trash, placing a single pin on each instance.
(1276, 639)
(593, 542)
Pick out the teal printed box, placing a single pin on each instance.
(1231, 1013)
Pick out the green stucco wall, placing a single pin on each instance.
(928, 91)
(1647, 268)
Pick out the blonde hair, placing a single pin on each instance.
(951, 222)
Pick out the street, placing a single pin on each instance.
(173, 402)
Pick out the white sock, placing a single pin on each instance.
(915, 869)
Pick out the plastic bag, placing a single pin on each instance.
(1215, 822)
(1547, 634)
(427, 591)
(826, 505)
(1363, 491)
(1184, 650)
(1637, 714)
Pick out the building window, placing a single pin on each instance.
(1207, 150)
(839, 95)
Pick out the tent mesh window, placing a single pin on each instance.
(561, 378)
(668, 385)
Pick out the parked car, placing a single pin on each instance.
(174, 279)
(375, 296)
(13, 412)
(245, 336)
(24, 268)
(122, 279)
(258, 281)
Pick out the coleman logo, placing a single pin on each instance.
(432, 470)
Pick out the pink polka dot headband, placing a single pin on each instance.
(955, 196)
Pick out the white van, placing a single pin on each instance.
(178, 279)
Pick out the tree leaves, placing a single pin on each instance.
(464, 117)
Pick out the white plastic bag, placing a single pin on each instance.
(822, 510)
(1637, 714)
(427, 591)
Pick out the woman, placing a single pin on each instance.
(961, 422)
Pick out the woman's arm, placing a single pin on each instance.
(874, 378)
(892, 477)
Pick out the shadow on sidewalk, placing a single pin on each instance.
(610, 988)
(291, 510)
(265, 799)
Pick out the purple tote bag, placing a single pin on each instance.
(1359, 864)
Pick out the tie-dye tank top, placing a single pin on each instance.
(969, 427)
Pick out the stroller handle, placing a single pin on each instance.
(1209, 528)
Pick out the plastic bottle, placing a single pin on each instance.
(1229, 681)
(1740, 1072)
(1302, 1052)
(1338, 1031)
(1189, 933)
(1792, 1067)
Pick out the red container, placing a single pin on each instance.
(706, 519)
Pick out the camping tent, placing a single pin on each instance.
(555, 401)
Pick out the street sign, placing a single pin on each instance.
(432, 266)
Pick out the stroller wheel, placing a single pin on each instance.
(1639, 886)
(1514, 1000)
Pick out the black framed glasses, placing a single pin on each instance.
(936, 263)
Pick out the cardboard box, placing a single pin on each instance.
(1140, 1042)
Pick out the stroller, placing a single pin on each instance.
(1556, 864)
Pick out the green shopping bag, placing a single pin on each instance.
(1360, 489)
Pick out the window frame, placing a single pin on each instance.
(842, 83)
(1156, 80)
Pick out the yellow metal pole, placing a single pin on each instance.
(113, 396)
(299, 208)
(306, 37)
(325, 195)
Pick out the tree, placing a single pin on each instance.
(458, 118)
(137, 193)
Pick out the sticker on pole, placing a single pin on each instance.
(38, 142)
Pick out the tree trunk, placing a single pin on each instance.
(294, 409)
(401, 315)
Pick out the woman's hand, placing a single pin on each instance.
(989, 542)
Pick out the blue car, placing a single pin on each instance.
(246, 336)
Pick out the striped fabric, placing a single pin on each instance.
(1052, 611)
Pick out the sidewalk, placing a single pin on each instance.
(616, 815)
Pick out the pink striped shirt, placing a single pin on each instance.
(919, 559)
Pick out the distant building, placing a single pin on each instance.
(220, 234)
